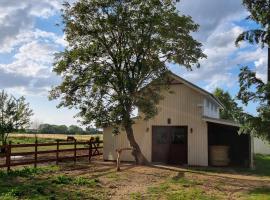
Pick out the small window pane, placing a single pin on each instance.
(179, 136)
(162, 137)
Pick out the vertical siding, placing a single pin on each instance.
(183, 108)
(111, 142)
(261, 146)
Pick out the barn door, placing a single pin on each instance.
(160, 144)
(178, 145)
(169, 144)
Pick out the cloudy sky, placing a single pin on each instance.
(29, 38)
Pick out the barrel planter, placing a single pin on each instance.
(219, 155)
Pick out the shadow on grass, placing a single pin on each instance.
(262, 167)
(259, 193)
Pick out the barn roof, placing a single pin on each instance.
(195, 87)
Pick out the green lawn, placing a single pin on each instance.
(100, 181)
(262, 163)
(47, 183)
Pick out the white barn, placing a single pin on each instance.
(187, 124)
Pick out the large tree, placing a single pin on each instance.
(253, 88)
(14, 115)
(116, 48)
(231, 109)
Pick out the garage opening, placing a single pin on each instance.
(238, 145)
(169, 144)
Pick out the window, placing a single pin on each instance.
(162, 137)
(179, 135)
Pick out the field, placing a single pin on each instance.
(99, 180)
(45, 155)
(54, 136)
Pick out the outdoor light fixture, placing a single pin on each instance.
(169, 120)
(191, 130)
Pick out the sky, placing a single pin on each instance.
(29, 38)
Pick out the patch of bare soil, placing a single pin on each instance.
(136, 179)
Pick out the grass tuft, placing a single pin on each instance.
(84, 181)
(62, 179)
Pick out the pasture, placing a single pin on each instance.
(99, 180)
(53, 136)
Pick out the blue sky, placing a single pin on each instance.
(29, 38)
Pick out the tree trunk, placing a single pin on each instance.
(268, 73)
(268, 66)
(136, 152)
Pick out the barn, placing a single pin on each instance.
(187, 126)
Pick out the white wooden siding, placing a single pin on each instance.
(182, 108)
(261, 147)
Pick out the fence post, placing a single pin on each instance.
(75, 151)
(36, 146)
(90, 150)
(8, 152)
(57, 151)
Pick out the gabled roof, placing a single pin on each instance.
(195, 87)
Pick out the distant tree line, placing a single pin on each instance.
(63, 129)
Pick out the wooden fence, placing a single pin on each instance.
(91, 147)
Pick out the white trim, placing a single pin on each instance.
(220, 121)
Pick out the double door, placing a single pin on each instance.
(169, 144)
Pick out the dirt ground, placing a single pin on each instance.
(134, 179)
(146, 182)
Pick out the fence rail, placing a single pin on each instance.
(92, 148)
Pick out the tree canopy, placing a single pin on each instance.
(252, 88)
(116, 48)
(14, 115)
(231, 109)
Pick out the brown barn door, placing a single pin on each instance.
(169, 144)
(160, 144)
(178, 146)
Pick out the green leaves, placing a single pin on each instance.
(252, 88)
(116, 49)
(231, 111)
(14, 114)
(259, 13)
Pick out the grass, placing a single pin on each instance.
(262, 163)
(54, 182)
(56, 136)
(47, 183)
(262, 193)
(179, 188)
(27, 140)
(262, 167)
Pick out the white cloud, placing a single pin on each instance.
(210, 14)
(218, 32)
(219, 48)
(261, 68)
(31, 50)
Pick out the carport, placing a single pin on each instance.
(225, 132)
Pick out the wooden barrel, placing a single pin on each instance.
(219, 155)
